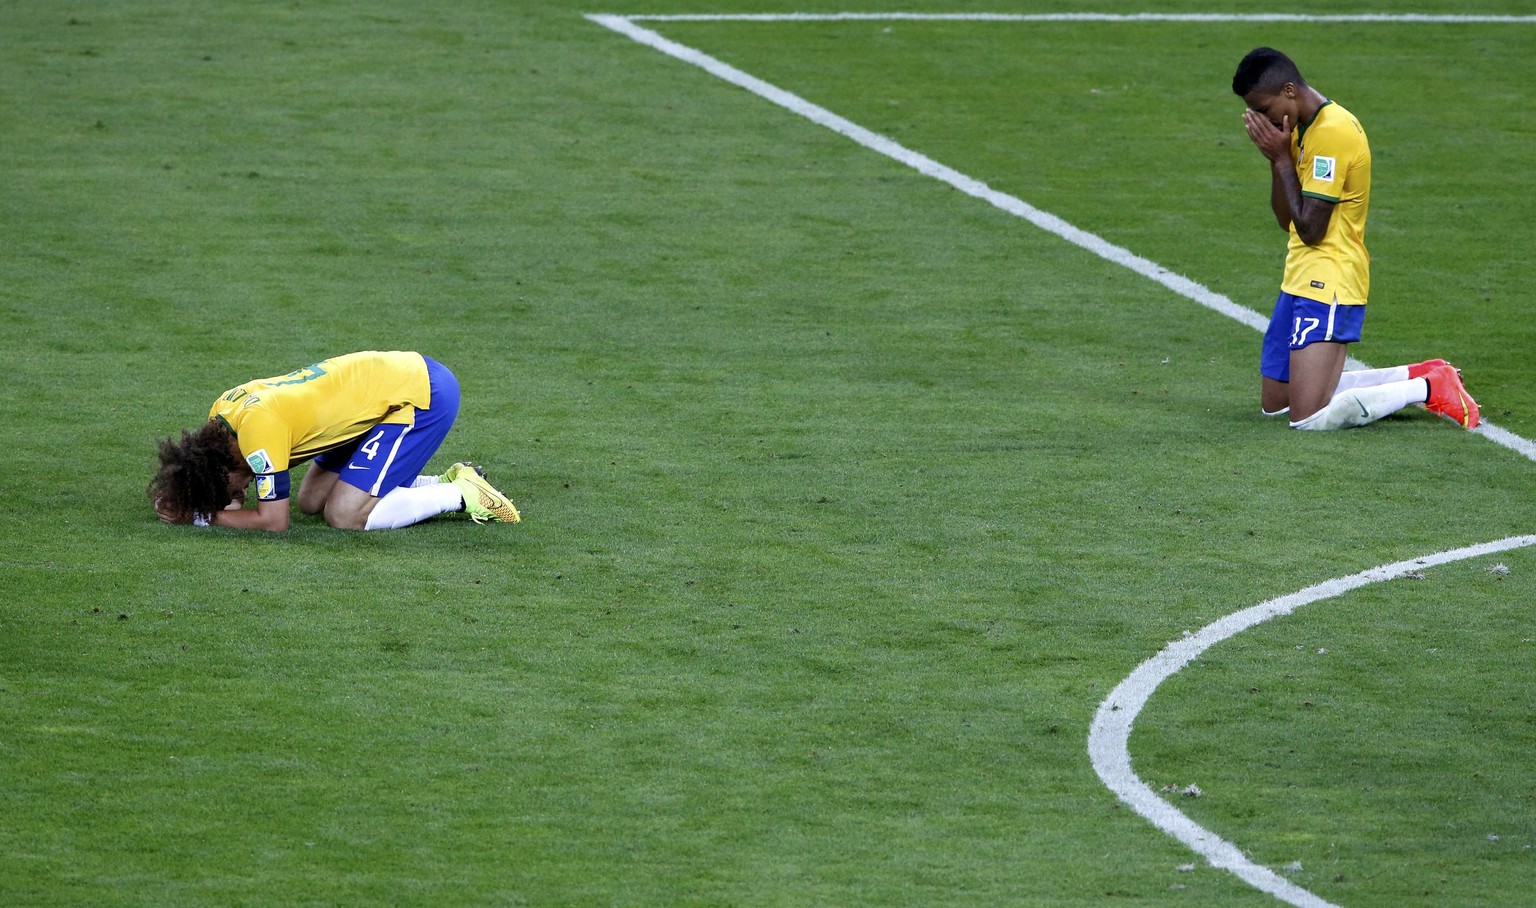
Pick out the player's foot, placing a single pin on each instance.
(1449, 398)
(481, 499)
(1419, 370)
(452, 473)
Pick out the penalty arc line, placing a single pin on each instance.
(1109, 735)
(925, 165)
(1106, 743)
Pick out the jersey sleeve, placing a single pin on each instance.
(1331, 150)
(267, 446)
(273, 486)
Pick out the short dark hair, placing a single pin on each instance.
(1265, 69)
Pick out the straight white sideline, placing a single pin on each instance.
(923, 164)
(1400, 18)
(1109, 736)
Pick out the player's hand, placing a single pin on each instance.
(1274, 142)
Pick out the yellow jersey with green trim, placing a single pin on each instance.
(290, 418)
(1333, 162)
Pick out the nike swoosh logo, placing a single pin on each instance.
(353, 466)
(1363, 411)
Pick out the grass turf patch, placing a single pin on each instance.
(847, 498)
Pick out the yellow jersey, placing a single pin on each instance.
(1333, 162)
(290, 418)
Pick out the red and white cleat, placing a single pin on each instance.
(1449, 398)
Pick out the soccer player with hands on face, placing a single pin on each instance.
(1320, 190)
(369, 420)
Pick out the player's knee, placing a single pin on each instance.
(345, 515)
(1345, 411)
(1299, 415)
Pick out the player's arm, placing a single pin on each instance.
(1278, 200)
(1309, 215)
(267, 515)
(271, 511)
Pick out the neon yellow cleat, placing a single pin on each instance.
(452, 473)
(481, 499)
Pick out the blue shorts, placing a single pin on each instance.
(1298, 322)
(391, 455)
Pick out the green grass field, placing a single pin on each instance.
(847, 497)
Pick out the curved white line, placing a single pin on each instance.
(1109, 736)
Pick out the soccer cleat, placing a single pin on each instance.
(452, 473)
(481, 499)
(1419, 370)
(1449, 398)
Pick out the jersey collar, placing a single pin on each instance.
(1301, 129)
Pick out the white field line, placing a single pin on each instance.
(923, 164)
(1402, 18)
(1109, 736)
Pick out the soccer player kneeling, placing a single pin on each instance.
(369, 420)
(1320, 191)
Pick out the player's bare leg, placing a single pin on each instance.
(347, 507)
(1274, 396)
(350, 508)
(316, 488)
(1315, 371)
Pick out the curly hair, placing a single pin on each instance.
(194, 473)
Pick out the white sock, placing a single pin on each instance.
(406, 505)
(1366, 405)
(1368, 378)
(425, 480)
(1280, 412)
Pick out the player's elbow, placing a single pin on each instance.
(271, 516)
